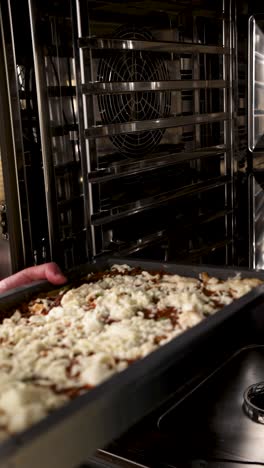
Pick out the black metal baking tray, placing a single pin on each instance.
(69, 435)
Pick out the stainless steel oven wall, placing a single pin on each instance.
(23, 207)
(137, 103)
(256, 189)
(241, 178)
(64, 163)
(256, 136)
(12, 246)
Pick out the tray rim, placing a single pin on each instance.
(38, 287)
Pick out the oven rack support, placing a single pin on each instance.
(88, 46)
(126, 199)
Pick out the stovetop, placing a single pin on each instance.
(210, 422)
(208, 427)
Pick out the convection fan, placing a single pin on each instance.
(134, 66)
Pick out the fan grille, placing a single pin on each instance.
(120, 108)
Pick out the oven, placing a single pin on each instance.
(131, 130)
(135, 130)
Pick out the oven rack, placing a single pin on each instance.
(127, 167)
(196, 128)
(88, 47)
(131, 248)
(153, 46)
(151, 202)
(99, 131)
(99, 87)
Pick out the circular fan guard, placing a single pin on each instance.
(123, 66)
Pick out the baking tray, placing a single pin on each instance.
(69, 435)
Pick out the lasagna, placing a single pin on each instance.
(52, 349)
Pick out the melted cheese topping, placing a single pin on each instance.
(98, 329)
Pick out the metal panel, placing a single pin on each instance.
(228, 70)
(84, 145)
(11, 146)
(48, 168)
(255, 83)
(64, 158)
(257, 215)
(216, 406)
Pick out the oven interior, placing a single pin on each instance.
(134, 125)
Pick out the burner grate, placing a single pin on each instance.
(254, 402)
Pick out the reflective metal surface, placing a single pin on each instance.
(11, 149)
(106, 460)
(211, 421)
(257, 239)
(143, 125)
(98, 87)
(256, 83)
(64, 160)
(128, 94)
(117, 44)
(52, 212)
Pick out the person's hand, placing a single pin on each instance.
(47, 271)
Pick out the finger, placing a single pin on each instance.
(49, 271)
(14, 281)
